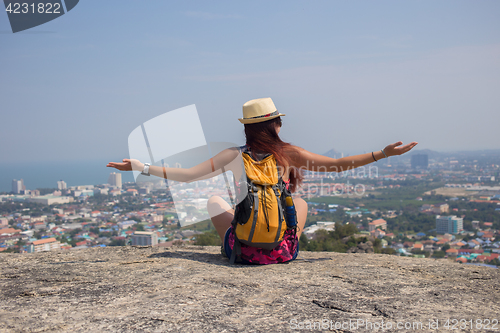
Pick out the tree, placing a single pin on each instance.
(118, 242)
(377, 245)
(208, 238)
(74, 232)
(438, 254)
(303, 242)
(190, 210)
(388, 250)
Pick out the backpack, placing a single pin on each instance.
(259, 219)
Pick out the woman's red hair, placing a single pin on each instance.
(263, 138)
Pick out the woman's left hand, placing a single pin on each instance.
(395, 149)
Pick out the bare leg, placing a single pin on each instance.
(221, 214)
(301, 208)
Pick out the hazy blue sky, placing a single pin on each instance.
(350, 75)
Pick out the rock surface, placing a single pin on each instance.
(194, 289)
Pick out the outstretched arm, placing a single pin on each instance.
(224, 161)
(304, 159)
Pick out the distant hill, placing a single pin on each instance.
(431, 153)
(456, 154)
(333, 154)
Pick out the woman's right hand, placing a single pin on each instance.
(127, 165)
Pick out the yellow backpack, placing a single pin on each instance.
(259, 219)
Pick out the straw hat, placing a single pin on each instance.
(259, 110)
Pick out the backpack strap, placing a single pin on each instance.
(280, 213)
(236, 249)
(236, 253)
(255, 193)
(247, 150)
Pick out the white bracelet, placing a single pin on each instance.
(383, 152)
(145, 172)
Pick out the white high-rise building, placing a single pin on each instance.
(449, 224)
(115, 179)
(61, 185)
(17, 186)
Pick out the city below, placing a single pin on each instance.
(441, 206)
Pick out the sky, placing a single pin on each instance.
(349, 75)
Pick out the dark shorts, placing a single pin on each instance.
(260, 256)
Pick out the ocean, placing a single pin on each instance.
(46, 174)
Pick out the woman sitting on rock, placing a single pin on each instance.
(266, 226)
